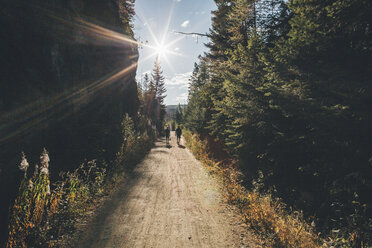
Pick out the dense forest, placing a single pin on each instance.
(67, 82)
(286, 90)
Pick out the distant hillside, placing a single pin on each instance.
(171, 110)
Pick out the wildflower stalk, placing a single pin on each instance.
(30, 206)
(24, 164)
(40, 212)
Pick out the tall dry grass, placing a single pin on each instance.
(44, 212)
(263, 213)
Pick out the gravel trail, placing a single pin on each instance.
(170, 200)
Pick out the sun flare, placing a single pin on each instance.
(161, 50)
(161, 43)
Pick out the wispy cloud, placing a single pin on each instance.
(181, 80)
(177, 49)
(185, 24)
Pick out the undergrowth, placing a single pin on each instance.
(263, 213)
(44, 212)
(267, 215)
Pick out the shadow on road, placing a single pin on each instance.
(96, 226)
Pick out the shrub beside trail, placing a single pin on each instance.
(45, 212)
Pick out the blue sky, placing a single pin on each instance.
(150, 25)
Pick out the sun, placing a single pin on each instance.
(161, 50)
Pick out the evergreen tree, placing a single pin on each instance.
(243, 103)
(179, 114)
(157, 86)
(198, 112)
(286, 87)
(220, 43)
(219, 35)
(146, 82)
(148, 96)
(273, 20)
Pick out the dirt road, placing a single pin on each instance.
(169, 201)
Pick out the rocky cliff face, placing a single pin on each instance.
(62, 84)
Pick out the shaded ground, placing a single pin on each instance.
(169, 201)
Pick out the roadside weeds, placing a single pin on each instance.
(264, 214)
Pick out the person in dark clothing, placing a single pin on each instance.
(178, 133)
(167, 134)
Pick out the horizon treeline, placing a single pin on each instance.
(67, 82)
(286, 88)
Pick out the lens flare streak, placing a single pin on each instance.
(26, 119)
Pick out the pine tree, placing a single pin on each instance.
(273, 19)
(148, 98)
(219, 45)
(219, 33)
(244, 104)
(179, 114)
(198, 111)
(243, 21)
(158, 85)
(286, 87)
(146, 82)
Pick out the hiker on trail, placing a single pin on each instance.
(167, 133)
(178, 133)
